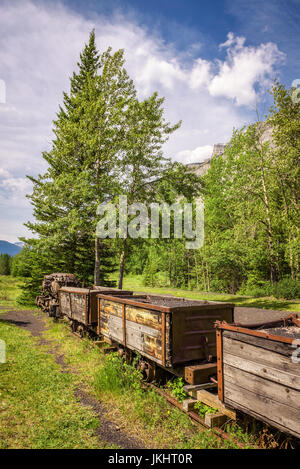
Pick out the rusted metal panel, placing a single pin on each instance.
(220, 364)
(163, 338)
(124, 324)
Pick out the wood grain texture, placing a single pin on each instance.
(279, 415)
(274, 346)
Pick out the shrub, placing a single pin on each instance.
(287, 288)
(116, 375)
(177, 391)
(204, 409)
(256, 289)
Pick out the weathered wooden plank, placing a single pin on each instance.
(143, 342)
(278, 347)
(263, 408)
(213, 401)
(188, 404)
(141, 328)
(267, 372)
(262, 386)
(255, 354)
(111, 308)
(215, 420)
(191, 389)
(144, 316)
(78, 307)
(65, 304)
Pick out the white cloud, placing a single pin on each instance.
(195, 156)
(244, 68)
(201, 74)
(39, 49)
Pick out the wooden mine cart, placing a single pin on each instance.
(259, 371)
(80, 304)
(172, 332)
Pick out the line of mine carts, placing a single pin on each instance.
(254, 368)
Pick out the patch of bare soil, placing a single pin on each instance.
(107, 431)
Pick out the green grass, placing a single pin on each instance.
(140, 413)
(10, 289)
(38, 407)
(135, 282)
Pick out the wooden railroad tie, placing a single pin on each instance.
(199, 393)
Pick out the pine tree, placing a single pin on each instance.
(90, 131)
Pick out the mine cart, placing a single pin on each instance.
(80, 304)
(169, 331)
(48, 300)
(259, 371)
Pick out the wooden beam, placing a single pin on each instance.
(198, 374)
(213, 401)
(192, 389)
(215, 420)
(188, 404)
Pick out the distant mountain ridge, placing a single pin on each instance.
(9, 248)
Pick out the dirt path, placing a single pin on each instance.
(107, 431)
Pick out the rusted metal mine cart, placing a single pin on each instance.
(79, 305)
(174, 333)
(259, 371)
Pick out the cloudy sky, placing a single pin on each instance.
(213, 61)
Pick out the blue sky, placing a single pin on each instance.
(212, 60)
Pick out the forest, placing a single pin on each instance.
(108, 143)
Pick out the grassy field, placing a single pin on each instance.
(40, 408)
(9, 291)
(135, 282)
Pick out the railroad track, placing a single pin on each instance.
(194, 417)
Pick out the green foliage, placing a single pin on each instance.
(5, 264)
(287, 288)
(176, 388)
(204, 409)
(116, 376)
(252, 214)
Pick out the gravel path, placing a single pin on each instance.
(247, 315)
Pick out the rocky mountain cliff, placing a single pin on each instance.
(203, 166)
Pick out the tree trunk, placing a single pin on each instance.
(196, 269)
(97, 262)
(273, 276)
(122, 265)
